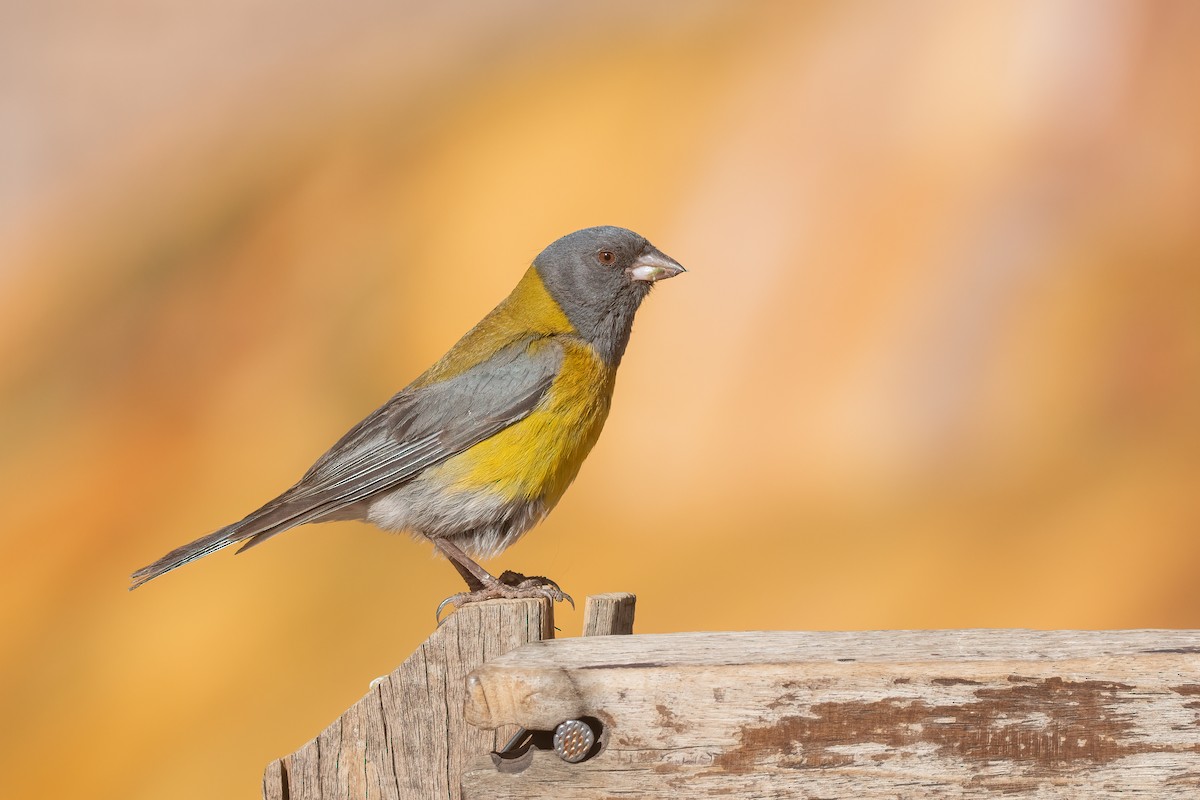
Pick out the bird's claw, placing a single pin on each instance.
(511, 585)
(449, 601)
(547, 587)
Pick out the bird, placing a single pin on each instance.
(480, 447)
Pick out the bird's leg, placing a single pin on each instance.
(476, 576)
(485, 586)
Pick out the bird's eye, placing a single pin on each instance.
(606, 256)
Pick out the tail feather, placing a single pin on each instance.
(189, 552)
(275, 517)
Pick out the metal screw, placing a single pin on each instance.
(573, 740)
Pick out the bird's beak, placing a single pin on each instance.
(653, 266)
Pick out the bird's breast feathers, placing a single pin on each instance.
(537, 457)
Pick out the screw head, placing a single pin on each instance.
(573, 740)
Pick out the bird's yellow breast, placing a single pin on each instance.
(538, 457)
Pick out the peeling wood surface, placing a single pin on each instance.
(406, 739)
(865, 714)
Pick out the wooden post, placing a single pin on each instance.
(609, 614)
(406, 739)
(890, 714)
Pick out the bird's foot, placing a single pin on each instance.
(510, 585)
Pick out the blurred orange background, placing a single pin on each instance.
(936, 362)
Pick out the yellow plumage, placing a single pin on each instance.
(529, 309)
(539, 456)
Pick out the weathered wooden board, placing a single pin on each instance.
(942, 714)
(406, 739)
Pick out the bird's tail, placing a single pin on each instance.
(275, 517)
(189, 552)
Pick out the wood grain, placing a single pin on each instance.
(609, 614)
(407, 739)
(919, 714)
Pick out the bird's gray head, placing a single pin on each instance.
(599, 276)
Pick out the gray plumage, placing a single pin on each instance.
(599, 302)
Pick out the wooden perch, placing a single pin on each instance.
(863, 715)
(902, 714)
(407, 739)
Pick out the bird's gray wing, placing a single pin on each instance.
(421, 427)
(416, 429)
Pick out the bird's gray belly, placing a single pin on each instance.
(482, 523)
